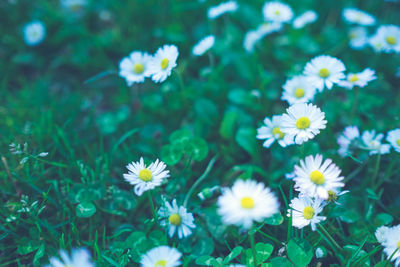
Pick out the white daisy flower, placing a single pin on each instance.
(349, 135)
(315, 178)
(305, 211)
(34, 33)
(393, 138)
(358, 37)
(74, 5)
(356, 16)
(218, 10)
(162, 256)
(360, 79)
(246, 202)
(387, 36)
(324, 71)
(203, 45)
(253, 36)
(146, 178)
(177, 219)
(307, 17)
(298, 90)
(271, 132)
(372, 142)
(163, 62)
(135, 68)
(79, 258)
(377, 42)
(391, 243)
(277, 12)
(381, 233)
(303, 121)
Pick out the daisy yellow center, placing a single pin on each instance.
(391, 40)
(138, 68)
(353, 78)
(175, 219)
(277, 12)
(247, 203)
(324, 73)
(332, 196)
(161, 263)
(146, 175)
(299, 92)
(398, 142)
(317, 177)
(308, 212)
(164, 63)
(276, 132)
(303, 123)
(398, 244)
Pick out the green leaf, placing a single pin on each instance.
(180, 137)
(300, 251)
(246, 138)
(85, 210)
(275, 219)
(263, 251)
(27, 246)
(206, 260)
(38, 255)
(171, 154)
(383, 219)
(227, 127)
(198, 149)
(279, 262)
(234, 253)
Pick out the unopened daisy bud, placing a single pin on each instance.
(207, 192)
(320, 252)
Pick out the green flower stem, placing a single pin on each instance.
(355, 103)
(152, 206)
(376, 169)
(200, 179)
(269, 236)
(253, 248)
(328, 236)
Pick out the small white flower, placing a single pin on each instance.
(307, 17)
(135, 68)
(277, 12)
(387, 39)
(381, 234)
(349, 135)
(358, 37)
(360, 79)
(315, 178)
(146, 178)
(391, 243)
(79, 258)
(162, 256)
(324, 71)
(246, 202)
(356, 16)
(253, 36)
(226, 7)
(177, 219)
(372, 142)
(163, 62)
(303, 121)
(393, 138)
(34, 33)
(305, 211)
(320, 252)
(203, 45)
(271, 132)
(298, 90)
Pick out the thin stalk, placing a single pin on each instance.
(329, 237)
(152, 206)
(376, 169)
(253, 249)
(270, 237)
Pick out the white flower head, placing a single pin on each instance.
(391, 242)
(298, 90)
(135, 68)
(307, 17)
(146, 178)
(246, 202)
(34, 33)
(360, 79)
(349, 135)
(393, 138)
(177, 218)
(277, 12)
(324, 71)
(386, 39)
(381, 234)
(358, 37)
(163, 62)
(253, 36)
(203, 45)
(218, 10)
(271, 132)
(356, 16)
(373, 142)
(162, 256)
(305, 211)
(303, 121)
(79, 258)
(315, 178)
